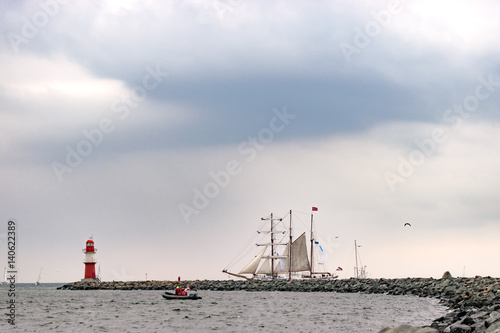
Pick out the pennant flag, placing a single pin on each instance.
(339, 268)
(323, 256)
(282, 263)
(315, 209)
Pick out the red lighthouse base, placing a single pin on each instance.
(90, 272)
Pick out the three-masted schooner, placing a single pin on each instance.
(282, 258)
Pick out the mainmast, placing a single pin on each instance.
(312, 242)
(356, 255)
(272, 248)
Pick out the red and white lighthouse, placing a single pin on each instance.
(89, 261)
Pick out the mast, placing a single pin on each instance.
(272, 248)
(273, 244)
(356, 255)
(39, 277)
(290, 250)
(312, 242)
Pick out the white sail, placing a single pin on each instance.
(283, 264)
(265, 268)
(39, 277)
(251, 268)
(300, 261)
(320, 257)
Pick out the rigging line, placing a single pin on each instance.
(262, 225)
(299, 212)
(283, 237)
(352, 257)
(301, 222)
(281, 224)
(240, 255)
(237, 256)
(359, 258)
(240, 259)
(307, 225)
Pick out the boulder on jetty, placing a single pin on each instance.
(474, 302)
(447, 275)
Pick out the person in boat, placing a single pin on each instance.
(177, 290)
(183, 292)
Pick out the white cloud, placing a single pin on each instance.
(30, 75)
(456, 26)
(42, 94)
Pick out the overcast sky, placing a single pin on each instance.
(168, 129)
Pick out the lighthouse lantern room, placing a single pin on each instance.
(89, 261)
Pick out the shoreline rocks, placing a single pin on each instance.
(474, 302)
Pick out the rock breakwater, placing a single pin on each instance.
(474, 302)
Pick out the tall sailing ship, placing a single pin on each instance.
(283, 257)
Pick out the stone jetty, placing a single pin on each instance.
(474, 302)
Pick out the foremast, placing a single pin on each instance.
(270, 267)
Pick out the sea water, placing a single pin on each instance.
(45, 309)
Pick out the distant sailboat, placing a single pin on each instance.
(37, 283)
(280, 258)
(359, 272)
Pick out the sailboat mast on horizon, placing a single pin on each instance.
(37, 283)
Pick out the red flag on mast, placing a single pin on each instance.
(315, 209)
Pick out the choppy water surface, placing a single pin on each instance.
(43, 308)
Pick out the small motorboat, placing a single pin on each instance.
(169, 295)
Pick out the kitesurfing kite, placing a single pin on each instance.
(407, 224)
